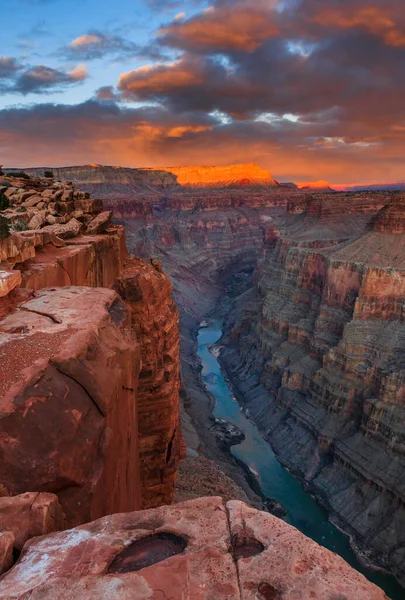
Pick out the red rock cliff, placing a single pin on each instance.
(88, 383)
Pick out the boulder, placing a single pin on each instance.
(89, 205)
(6, 551)
(29, 515)
(8, 281)
(100, 223)
(67, 231)
(32, 201)
(37, 220)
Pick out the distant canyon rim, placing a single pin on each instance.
(311, 284)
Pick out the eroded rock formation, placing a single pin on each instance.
(88, 383)
(313, 344)
(199, 550)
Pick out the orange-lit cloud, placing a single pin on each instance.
(312, 91)
(222, 29)
(376, 20)
(159, 79)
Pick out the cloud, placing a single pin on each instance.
(41, 79)
(94, 45)
(311, 90)
(8, 67)
(152, 136)
(222, 29)
(155, 81)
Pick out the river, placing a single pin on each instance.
(276, 482)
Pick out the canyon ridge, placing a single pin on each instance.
(109, 451)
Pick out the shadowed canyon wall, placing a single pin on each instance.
(314, 344)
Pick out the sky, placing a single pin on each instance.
(309, 89)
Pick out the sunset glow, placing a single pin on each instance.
(309, 89)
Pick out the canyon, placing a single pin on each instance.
(97, 344)
(312, 341)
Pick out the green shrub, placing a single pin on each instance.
(1, 171)
(21, 209)
(4, 202)
(20, 174)
(48, 174)
(4, 228)
(20, 225)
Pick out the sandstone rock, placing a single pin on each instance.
(37, 220)
(8, 281)
(10, 192)
(155, 319)
(65, 232)
(6, 550)
(32, 201)
(30, 515)
(16, 248)
(201, 549)
(70, 358)
(100, 223)
(89, 205)
(391, 218)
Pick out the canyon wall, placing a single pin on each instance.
(317, 357)
(88, 377)
(89, 383)
(313, 346)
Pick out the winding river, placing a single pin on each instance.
(303, 512)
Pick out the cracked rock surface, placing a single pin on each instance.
(69, 365)
(203, 549)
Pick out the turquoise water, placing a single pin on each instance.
(303, 512)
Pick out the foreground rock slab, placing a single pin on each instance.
(200, 550)
(69, 364)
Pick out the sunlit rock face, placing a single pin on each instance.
(228, 176)
(88, 382)
(202, 549)
(313, 344)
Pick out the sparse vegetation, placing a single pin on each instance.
(4, 202)
(48, 174)
(20, 225)
(4, 228)
(21, 209)
(20, 174)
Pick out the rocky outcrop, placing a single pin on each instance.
(320, 185)
(24, 517)
(69, 371)
(156, 322)
(226, 176)
(88, 384)
(116, 182)
(391, 219)
(203, 547)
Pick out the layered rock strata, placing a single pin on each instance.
(314, 348)
(88, 383)
(317, 357)
(201, 549)
(155, 320)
